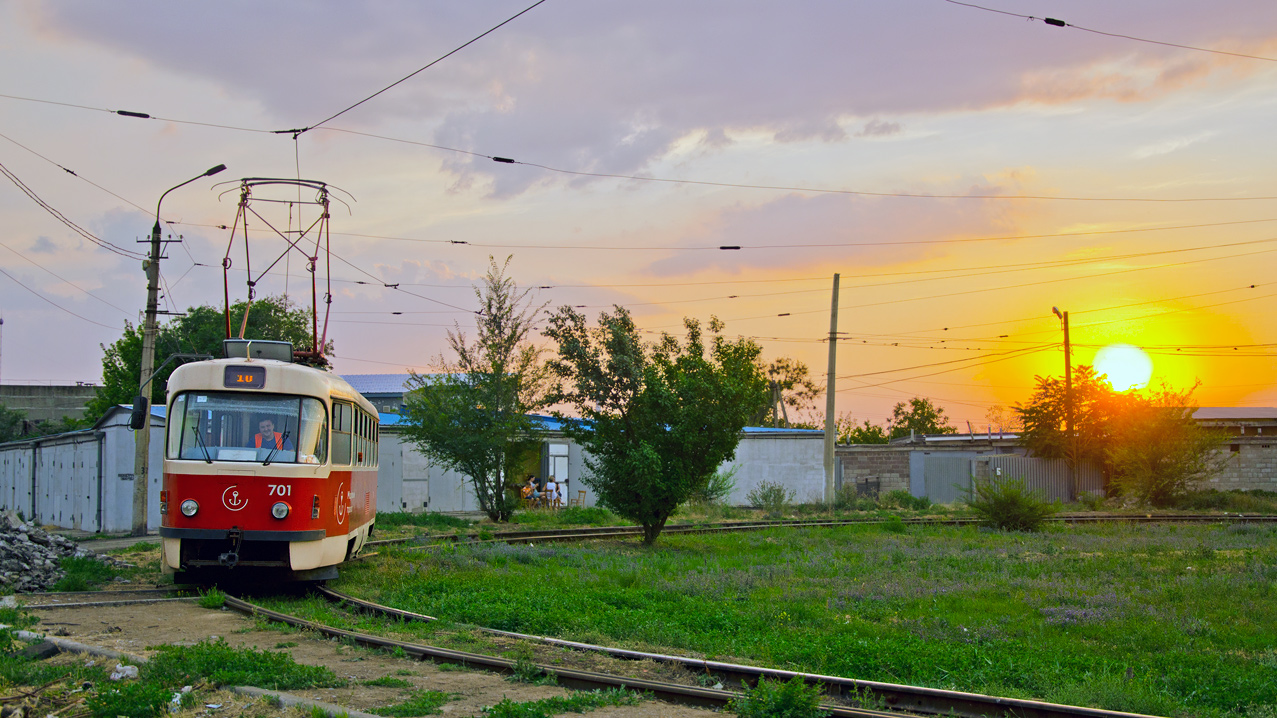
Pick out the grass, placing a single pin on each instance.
(83, 574)
(420, 703)
(387, 682)
(574, 703)
(428, 520)
(1126, 617)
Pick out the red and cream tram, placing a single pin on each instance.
(270, 468)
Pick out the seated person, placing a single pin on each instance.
(551, 490)
(267, 438)
(529, 490)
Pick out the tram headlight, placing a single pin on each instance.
(190, 507)
(279, 510)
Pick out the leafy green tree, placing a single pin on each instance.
(1158, 452)
(473, 418)
(1095, 408)
(656, 421)
(849, 432)
(791, 386)
(11, 421)
(918, 416)
(200, 331)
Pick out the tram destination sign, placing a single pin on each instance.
(244, 377)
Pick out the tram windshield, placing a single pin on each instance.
(262, 428)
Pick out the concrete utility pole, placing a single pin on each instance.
(142, 436)
(1068, 406)
(830, 434)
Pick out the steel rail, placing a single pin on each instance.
(568, 677)
(626, 531)
(915, 699)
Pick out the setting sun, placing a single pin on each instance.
(1126, 366)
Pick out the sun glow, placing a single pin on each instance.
(1126, 366)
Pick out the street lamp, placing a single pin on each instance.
(140, 421)
(1068, 405)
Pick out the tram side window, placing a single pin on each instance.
(343, 424)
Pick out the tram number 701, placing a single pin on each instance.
(280, 489)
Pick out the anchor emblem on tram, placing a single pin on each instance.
(231, 499)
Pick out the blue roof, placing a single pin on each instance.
(378, 383)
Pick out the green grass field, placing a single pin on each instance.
(1170, 620)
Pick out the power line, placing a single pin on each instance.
(1060, 23)
(429, 65)
(65, 280)
(53, 303)
(30, 193)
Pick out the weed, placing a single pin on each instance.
(420, 703)
(273, 701)
(286, 644)
(218, 663)
(575, 703)
(772, 498)
(894, 525)
(83, 574)
(387, 682)
(212, 598)
(136, 699)
(527, 671)
(1093, 501)
(721, 484)
(794, 699)
(1008, 505)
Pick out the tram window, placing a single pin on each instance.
(235, 426)
(343, 416)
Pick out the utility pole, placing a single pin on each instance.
(1068, 406)
(830, 434)
(142, 435)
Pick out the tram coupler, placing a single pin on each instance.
(230, 558)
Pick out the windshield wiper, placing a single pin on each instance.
(199, 441)
(278, 445)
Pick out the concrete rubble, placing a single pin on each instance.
(29, 556)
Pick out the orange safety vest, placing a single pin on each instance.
(279, 440)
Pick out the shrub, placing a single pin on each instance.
(721, 484)
(794, 699)
(1093, 501)
(849, 499)
(894, 525)
(904, 500)
(771, 498)
(1007, 504)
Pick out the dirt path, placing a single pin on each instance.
(137, 629)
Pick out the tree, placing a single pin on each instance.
(919, 416)
(474, 418)
(849, 432)
(200, 331)
(1158, 452)
(1095, 407)
(656, 421)
(791, 386)
(1003, 419)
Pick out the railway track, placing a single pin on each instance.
(604, 532)
(843, 693)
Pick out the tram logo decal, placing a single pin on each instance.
(231, 499)
(342, 501)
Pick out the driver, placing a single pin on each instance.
(267, 437)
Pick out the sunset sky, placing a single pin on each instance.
(963, 170)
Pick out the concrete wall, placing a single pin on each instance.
(796, 460)
(1252, 466)
(47, 403)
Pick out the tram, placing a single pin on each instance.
(270, 469)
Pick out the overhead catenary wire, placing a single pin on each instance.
(1055, 22)
(58, 215)
(53, 303)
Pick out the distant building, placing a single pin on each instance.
(1252, 446)
(47, 403)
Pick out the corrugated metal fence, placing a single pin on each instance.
(947, 479)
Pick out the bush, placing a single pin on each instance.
(1093, 501)
(904, 500)
(1006, 503)
(794, 699)
(721, 485)
(849, 499)
(771, 498)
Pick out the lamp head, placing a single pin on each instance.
(215, 170)
(1057, 312)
